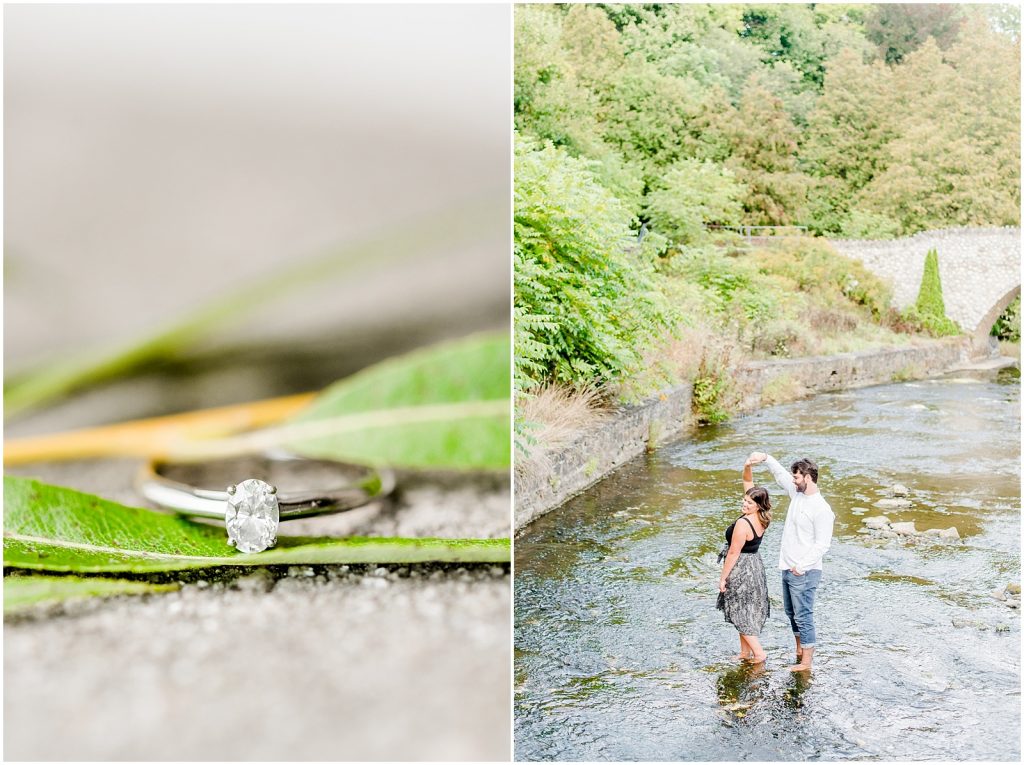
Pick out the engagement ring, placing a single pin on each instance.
(252, 508)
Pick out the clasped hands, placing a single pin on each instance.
(755, 458)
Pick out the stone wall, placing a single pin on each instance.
(666, 416)
(597, 451)
(766, 382)
(979, 268)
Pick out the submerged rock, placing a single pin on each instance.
(1008, 596)
(739, 706)
(907, 531)
(900, 503)
(957, 622)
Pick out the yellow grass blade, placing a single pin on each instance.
(157, 437)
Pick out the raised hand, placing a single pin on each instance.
(756, 457)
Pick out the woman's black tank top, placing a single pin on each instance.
(750, 546)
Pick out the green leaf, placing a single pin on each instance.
(443, 407)
(22, 592)
(52, 528)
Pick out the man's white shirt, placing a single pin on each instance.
(807, 533)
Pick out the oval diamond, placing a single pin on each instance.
(252, 516)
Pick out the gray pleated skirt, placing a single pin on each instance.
(745, 600)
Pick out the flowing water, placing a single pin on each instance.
(621, 655)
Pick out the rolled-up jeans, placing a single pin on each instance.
(798, 601)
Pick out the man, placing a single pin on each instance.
(806, 535)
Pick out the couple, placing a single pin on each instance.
(806, 535)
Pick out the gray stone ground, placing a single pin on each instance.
(297, 663)
(159, 157)
(342, 665)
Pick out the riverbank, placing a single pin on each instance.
(598, 450)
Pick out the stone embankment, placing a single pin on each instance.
(599, 450)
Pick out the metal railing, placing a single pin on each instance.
(747, 231)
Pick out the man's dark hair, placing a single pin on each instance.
(806, 467)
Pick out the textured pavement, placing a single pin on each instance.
(295, 663)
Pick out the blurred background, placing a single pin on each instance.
(161, 161)
(158, 158)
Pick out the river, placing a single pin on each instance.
(621, 655)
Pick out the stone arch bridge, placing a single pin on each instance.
(979, 269)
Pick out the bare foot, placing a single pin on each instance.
(759, 658)
(801, 667)
(741, 656)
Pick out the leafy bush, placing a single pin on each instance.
(1007, 326)
(714, 391)
(929, 312)
(719, 275)
(587, 300)
(868, 225)
(781, 338)
(815, 267)
(691, 194)
(756, 304)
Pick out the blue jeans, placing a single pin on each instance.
(798, 600)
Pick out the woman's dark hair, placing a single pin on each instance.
(806, 467)
(764, 504)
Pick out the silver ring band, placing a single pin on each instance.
(261, 491)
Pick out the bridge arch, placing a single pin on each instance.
(993, 313)
(979, 269)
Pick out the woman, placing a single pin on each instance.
(743, 587)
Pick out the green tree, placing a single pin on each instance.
(713, 127)
(554, 95)
(1004, 18)
(586, 299)
(782, 96)
(930, 308)
(591, 42)
(551, 100)
(649, 115)
(804, 36)
(899, 29)
(764, 159)
(956, 160)
(788, 33)
(691, 194)
(846, 143)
